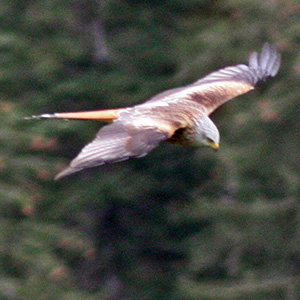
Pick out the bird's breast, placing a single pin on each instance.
(184, 136)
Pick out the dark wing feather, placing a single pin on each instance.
(113, 143)
(259, 68)
(220, 86)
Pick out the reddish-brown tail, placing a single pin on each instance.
(107, 115)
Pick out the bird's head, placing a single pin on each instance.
(207, 134)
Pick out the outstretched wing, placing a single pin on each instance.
(116, 142)
(218, 87)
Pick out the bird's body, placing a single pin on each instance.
(178, 115)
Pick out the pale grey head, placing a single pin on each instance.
(207, 133)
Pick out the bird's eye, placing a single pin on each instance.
(210, 140)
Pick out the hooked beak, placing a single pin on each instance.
(214, 145)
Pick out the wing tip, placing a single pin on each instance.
(68, 171)
(266, 63)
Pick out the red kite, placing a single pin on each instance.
(179, 115)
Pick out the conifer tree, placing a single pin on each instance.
(181, 223)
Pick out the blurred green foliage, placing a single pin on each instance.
(180, 223)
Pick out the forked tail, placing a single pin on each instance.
(107, 115)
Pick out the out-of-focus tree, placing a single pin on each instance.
(181, 223)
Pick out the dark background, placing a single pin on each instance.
(180, 223)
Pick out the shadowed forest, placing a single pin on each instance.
(181, 223)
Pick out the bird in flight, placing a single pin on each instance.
(179, 115)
